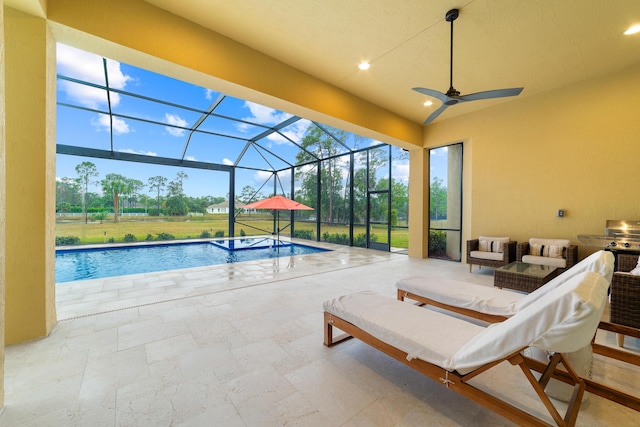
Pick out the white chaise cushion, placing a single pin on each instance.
(502, 302)
(601, 262)
(422, 333)
(485, 299)
(494, 256)
(563, 320)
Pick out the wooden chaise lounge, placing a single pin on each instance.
(452, 351)
(492, 305)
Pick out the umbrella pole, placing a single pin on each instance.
(278, 234)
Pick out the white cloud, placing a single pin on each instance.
(306, 168)
(120, 127)
(442, 151)
(285, 175)
(89, 97)
(228, 162)
(132, 151)
(172, 119)
(191, 158)
(208, 93)
(297, 130)
(265, 116)
(294, 132)
(244, 127)
(101, 122)
(87, 66)
(262, 176)
(401, 172)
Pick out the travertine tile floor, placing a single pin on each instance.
(241, 345)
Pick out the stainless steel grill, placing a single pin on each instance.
(619, 235)
(623, 234)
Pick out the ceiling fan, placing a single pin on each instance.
(452, 96)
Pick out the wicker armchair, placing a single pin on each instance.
(571, 259)
(508, 255)
(625, 297)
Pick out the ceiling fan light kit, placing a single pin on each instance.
(452, 96)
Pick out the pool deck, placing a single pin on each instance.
(95, 296)
(241, 345)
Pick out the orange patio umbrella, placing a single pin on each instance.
(278, 203)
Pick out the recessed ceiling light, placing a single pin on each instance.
(633, 29)
(364, 65)
(428, 103)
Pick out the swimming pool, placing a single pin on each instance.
(80, 264)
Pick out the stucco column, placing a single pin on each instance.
(2, 201)
(30, 177)
(419, 203)
(454, 189)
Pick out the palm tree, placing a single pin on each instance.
(115, 184)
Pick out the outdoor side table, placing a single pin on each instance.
(522, 276)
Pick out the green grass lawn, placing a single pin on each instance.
(193, 227)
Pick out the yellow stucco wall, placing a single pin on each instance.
(2, 201)
(30, 177)
(574, 148)
(418, 202)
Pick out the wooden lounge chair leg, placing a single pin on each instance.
(329, 339)
(620, 340)
(571, 415)
(328, 330)
(470, 267)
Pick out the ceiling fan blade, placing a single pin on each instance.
(490, 94)
(435, 114)
(430, 92)
(452, 96)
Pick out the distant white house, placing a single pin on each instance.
(223, 208)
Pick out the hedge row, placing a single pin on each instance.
(74, 240)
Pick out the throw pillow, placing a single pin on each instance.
(556, 251)
(550, 251)
(536, 250)
(490, 245)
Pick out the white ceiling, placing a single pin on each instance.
(537, 44)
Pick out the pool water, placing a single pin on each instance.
(250, 243)
(80, 264)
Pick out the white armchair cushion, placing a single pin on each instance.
(492, 244)
(493, 256)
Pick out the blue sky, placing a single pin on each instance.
(166, 139)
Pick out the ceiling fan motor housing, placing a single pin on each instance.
(452, 92)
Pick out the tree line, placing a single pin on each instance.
(168, 197)
(335, 178)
